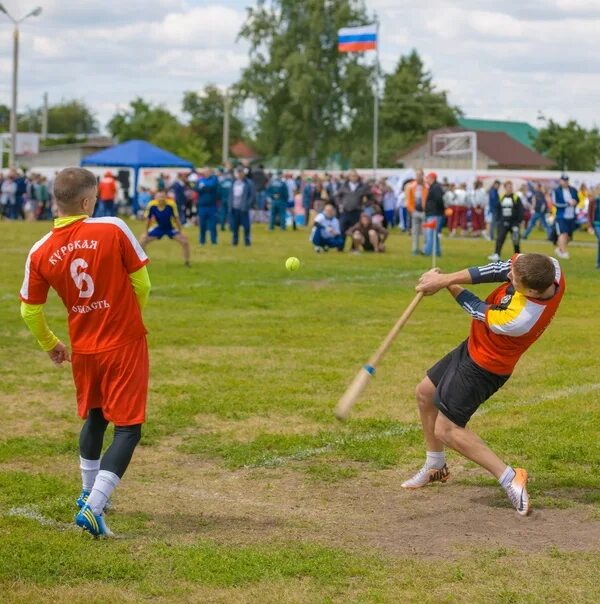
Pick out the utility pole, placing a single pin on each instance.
(13, 113)
(13, 110)
(226, 109)
(45, 118)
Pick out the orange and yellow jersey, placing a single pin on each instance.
(89, 262)
(166, 217)
(507, 323)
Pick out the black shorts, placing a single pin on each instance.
(461, 385)
(367, 245)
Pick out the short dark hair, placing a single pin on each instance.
(71, 185)
(536, 271)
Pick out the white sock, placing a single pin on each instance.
(105, 484)
(507, 477)
(435, 460)
(89, 470)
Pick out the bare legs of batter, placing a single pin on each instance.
(439, 431)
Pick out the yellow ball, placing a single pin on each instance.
(292, 264)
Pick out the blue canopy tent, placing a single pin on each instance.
(135, 154)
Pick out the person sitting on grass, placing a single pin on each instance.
(163, 219)
(326, 231)
(367, 235)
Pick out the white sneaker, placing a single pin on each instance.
(494, 257)
(426, 476)
(560, 254)
(517, 492)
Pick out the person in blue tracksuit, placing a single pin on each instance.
(207, 188)
(492, 209)
(565, 201)
(178, 188)
(540, 207)
(278, 194)
(308, 197)
(21, 183)
(225, 183)
(241, 196)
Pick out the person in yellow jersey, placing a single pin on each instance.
(163, 219)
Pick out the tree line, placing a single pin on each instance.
(314, 105)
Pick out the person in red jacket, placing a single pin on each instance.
(107, 193)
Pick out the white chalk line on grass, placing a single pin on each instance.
(272, 461)
(551, 396)
(31, 512)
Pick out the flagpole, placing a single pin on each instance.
(376, 106)
(434, 252)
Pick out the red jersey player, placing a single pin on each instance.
(504, 326)
(98, 269)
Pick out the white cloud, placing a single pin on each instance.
(496, 58)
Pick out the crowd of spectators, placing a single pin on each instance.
(339, 208)
(24, 197)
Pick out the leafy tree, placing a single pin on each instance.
(206, 113)
(66, 117)
(411, 106)
(158, 126)
(4, 118)
(141, 121)
(571, 146)
(308, 94)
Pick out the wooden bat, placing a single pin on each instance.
(363, 377)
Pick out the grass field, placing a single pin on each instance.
(247, 490)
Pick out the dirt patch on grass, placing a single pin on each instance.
(52, 415)
(247, 429)
(192, 499)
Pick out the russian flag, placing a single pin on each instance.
(357, 39)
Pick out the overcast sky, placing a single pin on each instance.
(498, 59)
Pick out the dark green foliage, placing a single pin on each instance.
(411, 106)
(157, 125)
(66, 117)
(311, 99)
(571, 146)
(206, 113)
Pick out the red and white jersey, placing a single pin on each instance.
(509, 323)
(88, 263)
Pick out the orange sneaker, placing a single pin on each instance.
(426, 476)
(517, 492)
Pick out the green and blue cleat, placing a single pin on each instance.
(82, 500)
(92, 523)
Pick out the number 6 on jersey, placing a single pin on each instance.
(82, 279)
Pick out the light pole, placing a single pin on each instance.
(226, 108)
(13, 113)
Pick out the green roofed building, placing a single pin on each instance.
(520, 131)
